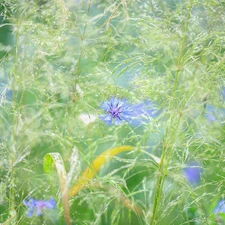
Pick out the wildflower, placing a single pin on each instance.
(220, 208)
(116, 111)
(192, 173)
(38, 206)
(142, 112)
(215, 113)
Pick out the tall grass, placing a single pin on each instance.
(60, 59)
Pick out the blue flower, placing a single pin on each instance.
(220, 208)
(142, 112)
(38, 206)
(214, 114)
(193, 173)
(116, 111)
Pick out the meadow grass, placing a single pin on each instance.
(112, 112)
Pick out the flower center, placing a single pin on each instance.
(115, 111)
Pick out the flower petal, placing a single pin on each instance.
(117, 121)
(106, 118)
(220, 208)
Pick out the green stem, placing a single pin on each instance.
(182, 48)
(159, 186)
(12, 156)
(163, 167)
(167, 155)
(80, 55)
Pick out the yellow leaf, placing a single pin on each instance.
(90, 172)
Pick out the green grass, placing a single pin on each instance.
(59, 59)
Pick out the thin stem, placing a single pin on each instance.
(182, 48)
(80, 55)
(158, 192)
(163, 167)
(113, 13)
(167, 155)
(12, 156)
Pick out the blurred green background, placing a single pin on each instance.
(60, 59)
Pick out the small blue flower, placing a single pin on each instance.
(193, 173)
(220, 208)
(116, 111)
(214, 114)
(38, 206)
(142, 112)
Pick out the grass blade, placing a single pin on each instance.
(90, 172)
(55, 159)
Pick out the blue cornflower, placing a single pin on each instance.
(192, 173)
(38, 206)
(116, 111)
(220, 207)
(142, 112)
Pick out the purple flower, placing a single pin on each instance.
(192, 173)
(116, 111)
(38, 206)
(220, 208)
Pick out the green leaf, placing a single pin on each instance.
(55, 159)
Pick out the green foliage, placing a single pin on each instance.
(59, 59)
